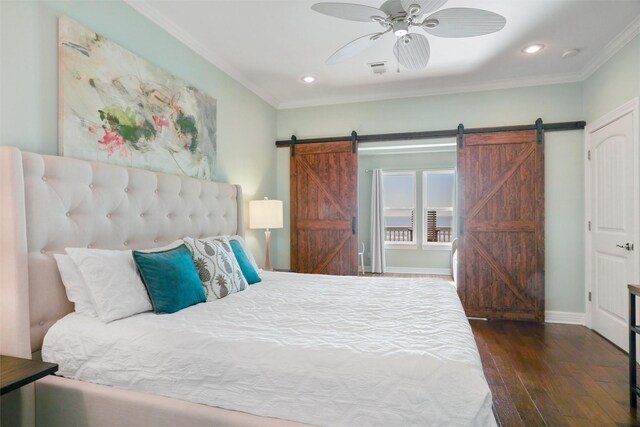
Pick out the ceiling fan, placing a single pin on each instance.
(400, 16)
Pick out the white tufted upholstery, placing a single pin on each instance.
(74, 203)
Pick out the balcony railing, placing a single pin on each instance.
(398, 234)
(442, 234)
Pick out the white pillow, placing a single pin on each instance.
(113, 281)
(171, 245)
(75, 286)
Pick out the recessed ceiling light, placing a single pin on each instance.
(534, 48)
(308, 79)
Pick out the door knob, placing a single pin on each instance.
(627, 246)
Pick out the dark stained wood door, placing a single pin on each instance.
(501, 229)
(324, 202)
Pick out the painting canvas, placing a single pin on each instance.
(115, 107)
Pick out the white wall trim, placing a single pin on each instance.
(414, 270)
(613, 47)
(630, 107)
(519, 82)
(565, 317)
(146, 8)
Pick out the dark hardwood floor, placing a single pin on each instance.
(554, 375)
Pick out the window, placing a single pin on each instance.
(438, 195)
(399, 207)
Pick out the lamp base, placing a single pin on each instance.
(267, 261)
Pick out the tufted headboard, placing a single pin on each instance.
(49, 203)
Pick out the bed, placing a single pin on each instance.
(295, 350)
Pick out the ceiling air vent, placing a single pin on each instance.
(378, 67)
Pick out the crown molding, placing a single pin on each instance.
(613, 47)
(443, 90)
(146, 8)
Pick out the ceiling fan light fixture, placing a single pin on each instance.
(533, 48)
(401, 29)
(308, 79)
(412, 49)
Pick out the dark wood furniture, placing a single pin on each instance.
(501, 225)
(324, 208)
(634, 391)
(16, 372)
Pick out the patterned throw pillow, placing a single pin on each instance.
(217, 267)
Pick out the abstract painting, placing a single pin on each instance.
(115, 107)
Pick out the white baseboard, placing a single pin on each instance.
(414, 270)
(565, 317)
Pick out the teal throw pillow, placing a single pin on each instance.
(247, 268)
(171, 279)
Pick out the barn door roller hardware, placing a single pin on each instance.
(460, 135)
(293, 145)
(354, 140)
(539, 135)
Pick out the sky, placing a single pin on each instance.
(399, 191)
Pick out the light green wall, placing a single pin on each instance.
(29, 87)
(613, 84)
(564, 210)
(413, 258)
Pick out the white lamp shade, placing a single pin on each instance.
(265, 214)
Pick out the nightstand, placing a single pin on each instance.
(16, 372)
(634, 328)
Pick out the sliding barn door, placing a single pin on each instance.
(324, 200)
(501, 204)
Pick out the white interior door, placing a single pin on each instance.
(613, 210)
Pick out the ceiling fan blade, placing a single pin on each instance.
(465, 22)
(413, 55)
(349, 11)
(353, 48)
(426, 6)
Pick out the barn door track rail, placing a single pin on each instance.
(538, 126)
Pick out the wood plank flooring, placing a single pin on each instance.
(553, 375)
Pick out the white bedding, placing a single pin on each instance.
(324, 350)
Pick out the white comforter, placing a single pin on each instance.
(325, 350)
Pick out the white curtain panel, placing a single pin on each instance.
(377, 223)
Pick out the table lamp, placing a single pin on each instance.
(265, 214)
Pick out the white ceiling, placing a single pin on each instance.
(269, 45)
